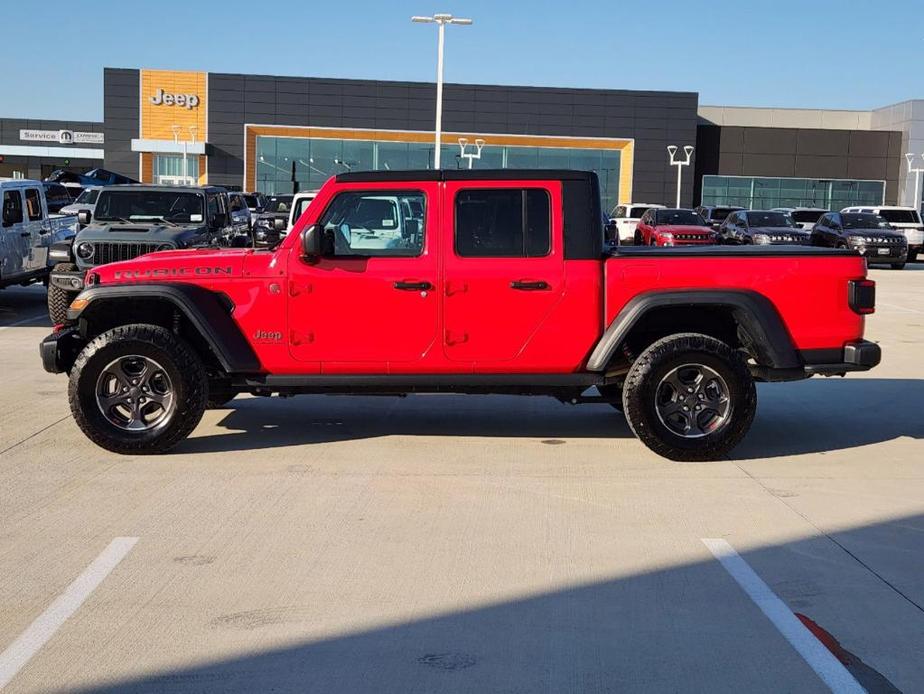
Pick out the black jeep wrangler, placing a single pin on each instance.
(131, 220)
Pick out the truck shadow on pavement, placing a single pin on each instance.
(23, 305)
(684, 626)
(812, 416)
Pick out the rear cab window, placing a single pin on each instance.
(12, 207)
(33, 204)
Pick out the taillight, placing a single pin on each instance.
(861, 295)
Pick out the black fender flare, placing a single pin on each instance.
(752, 310)
(209, 313)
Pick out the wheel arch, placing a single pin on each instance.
(749, 311)
(206, 313)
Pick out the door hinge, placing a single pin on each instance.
(295, 288)
(296, 339)
(456, 338)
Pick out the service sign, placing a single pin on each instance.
(62, 137)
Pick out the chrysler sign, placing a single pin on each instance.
(62, 137)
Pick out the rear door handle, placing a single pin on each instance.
(529, 285)
(410, 286)
(25, 234)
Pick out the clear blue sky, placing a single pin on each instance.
(795, 53)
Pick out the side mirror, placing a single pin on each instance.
(280, 224)
(311, 243)
(84, 217)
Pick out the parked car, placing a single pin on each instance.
(256, 203)
(85, 201)
(27, 232)
(272, 229)
(805, 217)
(715, 215)
(57, 197)
(240, 213)
(762, 228)
(905, 220)
(868, 234)
(264, 224)
(627, 218)
(492, 293)
(131, 220)
(673, 227)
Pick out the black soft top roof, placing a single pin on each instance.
(466, 175)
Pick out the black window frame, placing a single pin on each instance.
(38, 205)
(18, 193)
(523, 190)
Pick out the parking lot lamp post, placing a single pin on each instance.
(441, 20)
(672, 151)
(917, 179)
(192, 134)
(468, 154)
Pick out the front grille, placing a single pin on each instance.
(113, 252)
(692, 237)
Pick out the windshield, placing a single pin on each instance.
(769, 219)
(251, 201)
(279, 203)
(147, 205)
(88, 197)
(637, 212)
(677, 217)
(719, 214)
(806, 216)
(864, 221)
(900, 216)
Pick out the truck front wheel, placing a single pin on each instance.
(137, 389)
(690, 397)
(59, 299)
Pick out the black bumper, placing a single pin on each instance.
(60, 349)
(856, 356)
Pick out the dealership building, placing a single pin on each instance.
(276, 134)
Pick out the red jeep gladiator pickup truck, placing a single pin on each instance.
(484, 281)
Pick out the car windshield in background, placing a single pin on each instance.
(769, 219)
(302, 205)
(280, 203)
(859, 220)
(251, 201)
(637, 212)
(678, 217)
(900, 216)
(88, 197)
(149, 205)
(720, 213)
(806, 216)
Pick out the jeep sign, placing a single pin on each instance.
(163, 98)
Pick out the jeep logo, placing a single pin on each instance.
(267, 335)
(163, 98)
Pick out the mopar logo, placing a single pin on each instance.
(267, 335)
(164, 98)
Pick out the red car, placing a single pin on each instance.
(677, 227)
(397, 282)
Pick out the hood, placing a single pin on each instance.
(142, 233)
(194, 264)
(272, 215)
(74, 208)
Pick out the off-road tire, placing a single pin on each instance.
(59, 299)
(660, 358)
(178, 360)
(637, 238)
(897, 266)
(912, 256)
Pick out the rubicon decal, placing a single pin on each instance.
(172, 272)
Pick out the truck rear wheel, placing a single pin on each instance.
(690, 397)
(137, 389)
(59, 299)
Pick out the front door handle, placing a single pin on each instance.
(25, 234)
(529, 285)
(411, 286)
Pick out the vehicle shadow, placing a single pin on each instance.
(23, 305)
(792, 418)
(684, 626)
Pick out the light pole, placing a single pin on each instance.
(471, 156)
(688, 151)
(917, 180)
(441, 20)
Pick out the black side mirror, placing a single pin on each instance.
(311, 243)
(84, 217)
(280, 224)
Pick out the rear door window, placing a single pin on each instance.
(33, 204)
(503, 223)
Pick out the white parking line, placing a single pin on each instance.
(906, 309)
(46, 624)
(819, 658)
(22, 322)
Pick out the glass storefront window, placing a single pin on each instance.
(170, 170)
(754, 192)
(313, 160)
